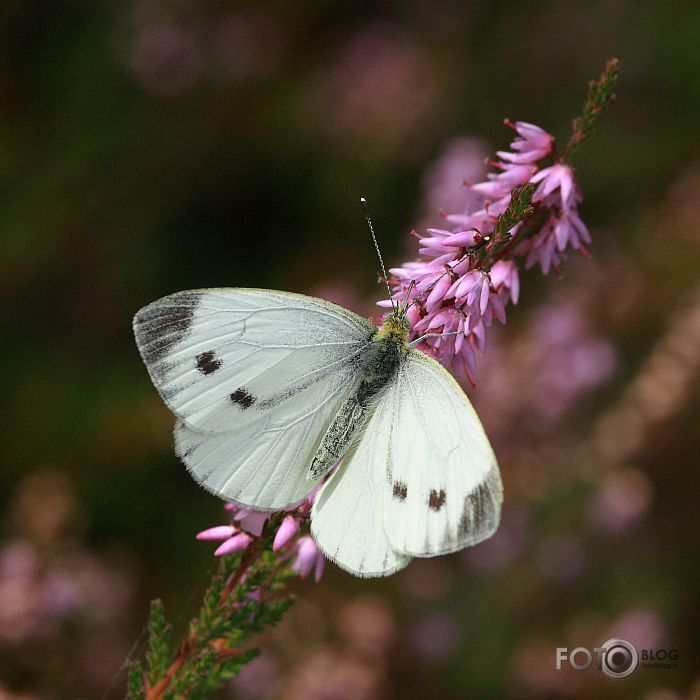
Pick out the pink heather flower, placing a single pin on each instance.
(216, 534)
(234, 544)
(289, 527)
(533, 143)
(500, 185)
(541, 248)
(456, 296)
(504, 276)
(251, 521)
(308, 558)
(235, 539)
(556, 177)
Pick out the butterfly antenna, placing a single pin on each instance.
(450, 268)
(363, 202)
(431, 285)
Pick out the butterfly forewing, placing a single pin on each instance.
(215, 355)
(255, 377)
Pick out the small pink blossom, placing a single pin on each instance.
(248, 525)
(541, 248)
(289, 527)
(501, 184)
(308, 558)
(234, 544)
(252, 521)
(533, 143)
(556, 177)
(504, 275)
(218, 533)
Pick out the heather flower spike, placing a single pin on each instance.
(526, 213)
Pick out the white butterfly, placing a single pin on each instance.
(270, 389)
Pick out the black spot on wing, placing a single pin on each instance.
(436, 499)
(400, 490)
(207, 362)
(243, 398)
(479, 508)
(161, 326)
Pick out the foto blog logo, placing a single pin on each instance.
(616, 658)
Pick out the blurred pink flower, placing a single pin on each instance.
(40, 592)
(445, 181)
(166, 58)
(258, 679)
(641, 626)
(367, 622)
(622, 501)
(434, 637)
(379, 88)
(308, 558)
(560, 557)
(509, 542)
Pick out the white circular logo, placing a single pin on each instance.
(620, 658)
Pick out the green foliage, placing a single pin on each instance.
(158, 649)
(519, 208)
(244, 598)
(134, 683)
(600, 95)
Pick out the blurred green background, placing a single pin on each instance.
(149, 147)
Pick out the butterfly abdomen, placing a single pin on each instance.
(378, 365)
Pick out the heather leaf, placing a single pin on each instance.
(600, 95)
(158, 651)
(134, 683)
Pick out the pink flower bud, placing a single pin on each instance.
(219, 533)
(234, 544)
(307, 556)
(287, 530)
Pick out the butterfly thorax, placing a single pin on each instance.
(395, 328)
(382, 359)
(379, 363)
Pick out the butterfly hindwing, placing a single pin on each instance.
(346, 519)
(443, 490)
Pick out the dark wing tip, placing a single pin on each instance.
(159, 326)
